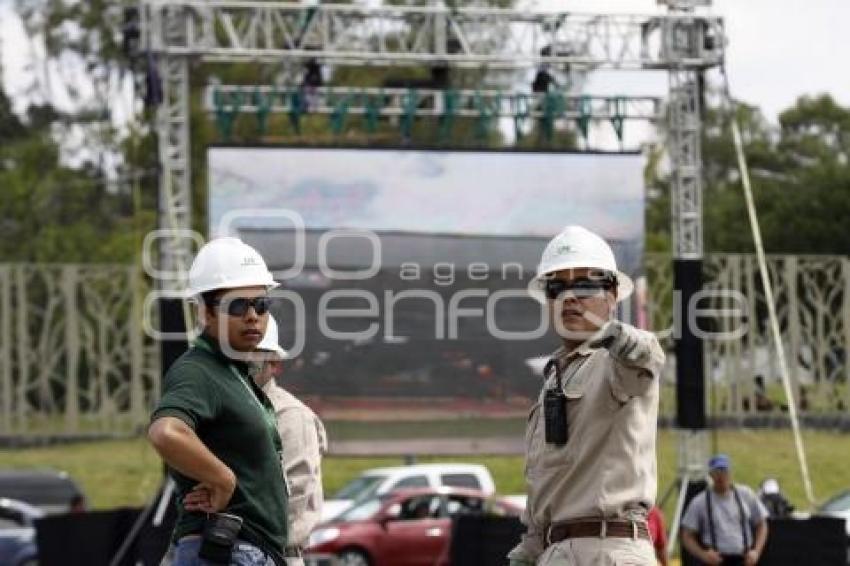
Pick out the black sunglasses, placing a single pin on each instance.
(581, 288)
(238, 306)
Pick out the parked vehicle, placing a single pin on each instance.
(380, 481)
(17, 533)
(50, 490)
(404, 528)
(838, 506)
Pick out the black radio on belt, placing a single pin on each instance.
(555, 410)
(220, 533)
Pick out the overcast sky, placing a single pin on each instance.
(778, 49)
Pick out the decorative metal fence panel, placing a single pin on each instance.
(74, 358)
(812, 295)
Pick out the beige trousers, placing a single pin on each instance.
(594, 551)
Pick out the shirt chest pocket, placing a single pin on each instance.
(544, 455)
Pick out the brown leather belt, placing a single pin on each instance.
(617, 528)
(293, 552)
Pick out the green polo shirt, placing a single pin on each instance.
(215, 396)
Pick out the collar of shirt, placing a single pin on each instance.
(214, 348)
(562, 357)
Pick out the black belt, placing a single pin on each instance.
(292, 552)
(595, 528)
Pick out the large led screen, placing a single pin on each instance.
(405, 270)
(434, 192)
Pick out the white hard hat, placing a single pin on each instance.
(270, 343)
(770, 486)
(228, 263)
(574, 248)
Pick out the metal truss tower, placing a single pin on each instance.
(686, 38)
(172, 123)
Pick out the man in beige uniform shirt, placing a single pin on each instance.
(590, 439)
(304, 443)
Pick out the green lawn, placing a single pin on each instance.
(112, 473)
(116, 473)
(460, 427)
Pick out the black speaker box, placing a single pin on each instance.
(690, 378)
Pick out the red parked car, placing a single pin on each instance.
(410, 527)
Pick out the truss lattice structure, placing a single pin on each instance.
(429, 103)
(175, 187)
(228, 30)
(681, 42)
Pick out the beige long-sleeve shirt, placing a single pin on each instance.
(304, 442)
(607, 468)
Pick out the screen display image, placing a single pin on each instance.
(404, 272)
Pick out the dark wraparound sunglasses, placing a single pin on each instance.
(238, 306)
(581, 288)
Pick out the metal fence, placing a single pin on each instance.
(813, 305)
(74, 358)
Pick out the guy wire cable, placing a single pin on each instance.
(766, 284)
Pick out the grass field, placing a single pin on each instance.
(119, 473)
(447, 428)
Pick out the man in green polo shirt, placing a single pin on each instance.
(213, 426)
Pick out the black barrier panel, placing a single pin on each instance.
(150, 542)
(153, 540)
(89, 539)
(690, 378)
(94, 539)
(818, 541)
(480, 540)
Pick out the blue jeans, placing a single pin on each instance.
(244, 554)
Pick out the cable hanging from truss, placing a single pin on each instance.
(767, 288)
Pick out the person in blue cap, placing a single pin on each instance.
(727, 523)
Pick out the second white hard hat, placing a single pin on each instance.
(228, 263)
(577, 247)
(270, 341)
(770, 486)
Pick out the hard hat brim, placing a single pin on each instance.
(193, 292)
(625, 285)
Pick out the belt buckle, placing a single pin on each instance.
(547, 538)
(634, 529)
(603, 531)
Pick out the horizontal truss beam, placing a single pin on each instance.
(430, 103)
(230, 30)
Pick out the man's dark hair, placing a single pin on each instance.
(210, 297)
